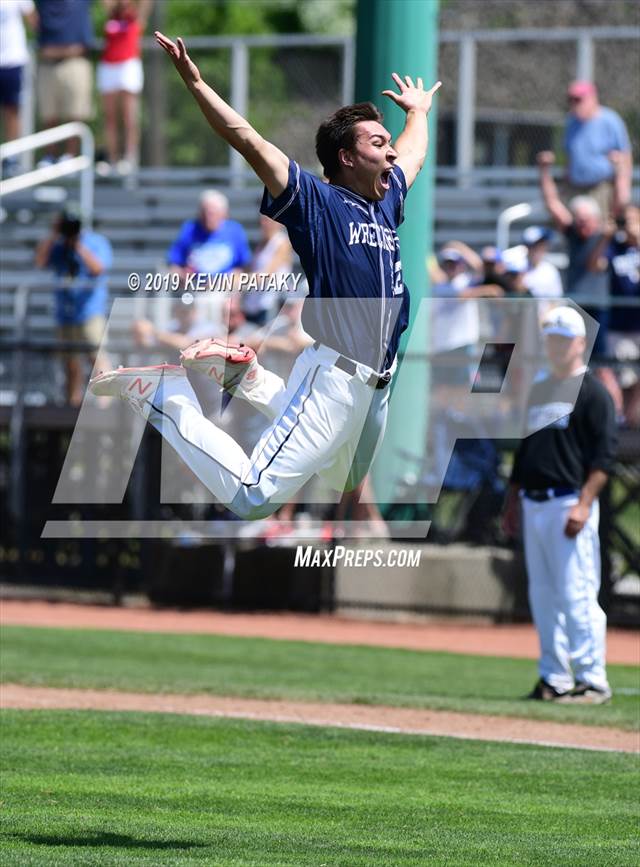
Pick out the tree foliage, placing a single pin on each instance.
(232, 17)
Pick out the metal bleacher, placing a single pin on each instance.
(142, 218)
(141, 221)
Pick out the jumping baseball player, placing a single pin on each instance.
(330, 416)
(558, 473)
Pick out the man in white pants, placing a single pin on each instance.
(329, 417)
(558, 472)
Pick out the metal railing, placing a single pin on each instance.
(509, 216)
(82, 163)
(584, 39)
(467, 102)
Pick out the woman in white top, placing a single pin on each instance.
(274, 255)
(542, 278)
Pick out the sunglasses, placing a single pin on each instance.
(575, 98)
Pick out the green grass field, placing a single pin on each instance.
(82, 788)
(89, 788)
(263, 668)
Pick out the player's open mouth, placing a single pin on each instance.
(384, 178)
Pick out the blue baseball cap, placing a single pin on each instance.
(535, 234)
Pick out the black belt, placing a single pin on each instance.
(541, 496)
(375, 380)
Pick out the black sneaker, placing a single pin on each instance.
(585, 693)
(543, 691)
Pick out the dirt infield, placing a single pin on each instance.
(623, 646)
(373, 718)
(515, 641)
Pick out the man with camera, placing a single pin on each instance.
(79, 259)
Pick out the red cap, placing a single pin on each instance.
(582, 88)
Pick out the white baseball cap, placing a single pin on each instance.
(565, 321)
(515, 259)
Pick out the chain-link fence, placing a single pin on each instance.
(508, 99)
(504, 99)
(284, 85)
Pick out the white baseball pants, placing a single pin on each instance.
(564, 580)
(324, 422)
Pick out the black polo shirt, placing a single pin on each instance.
(564, 451)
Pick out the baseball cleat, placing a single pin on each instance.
(227, 363)
(543, 691)
(136, 385)
(584, 693)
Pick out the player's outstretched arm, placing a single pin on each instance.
(413, 141)
(267, 161)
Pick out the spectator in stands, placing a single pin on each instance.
(517, 323)
(493, 268)
(581, 225)
(65, 38)
(598, 150)
(187, 325)
(14, 56)
(274, 255)
(541, 278)
(618, 254)
(453, 339)
(80, 260)
(462, 270)
(120, 79)
(210, 244)
(455, 326)
(516, 262)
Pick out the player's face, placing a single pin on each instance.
(372, 159)
(211, 215)
(452, 268)
(536, 252)
(586, 222)
(582, 107)
(564, 353)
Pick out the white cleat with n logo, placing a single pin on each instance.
(137, 385)
(227, 363)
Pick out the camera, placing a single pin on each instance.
(70, 226)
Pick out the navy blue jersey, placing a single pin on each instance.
(350, 253)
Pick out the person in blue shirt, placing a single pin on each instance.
(598, 150)
(329, 418)
(211, 244)
(80, 260)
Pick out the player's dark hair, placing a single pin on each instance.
(338, 132)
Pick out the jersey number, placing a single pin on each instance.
(398, 286)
